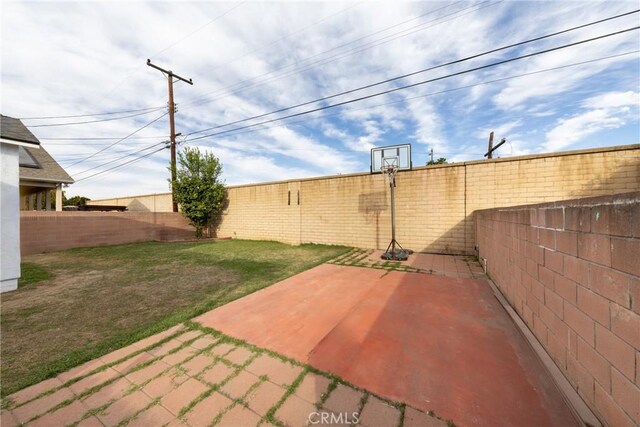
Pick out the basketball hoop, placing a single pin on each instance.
(389, 160)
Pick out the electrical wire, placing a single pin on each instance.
(422, 96)
(457, 61)
(470, 70)
(94, 121)
(298, 67)
(92, 115)
(120, 165)
(325, 115)
(120, 140)
(164, 143)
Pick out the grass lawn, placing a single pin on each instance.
(76, 305)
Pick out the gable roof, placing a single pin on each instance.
(47, 168)
(13, 130)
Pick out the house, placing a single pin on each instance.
(40, 176)
(13, 136)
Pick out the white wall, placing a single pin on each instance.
(9, 218)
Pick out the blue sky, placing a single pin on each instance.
(249, 58)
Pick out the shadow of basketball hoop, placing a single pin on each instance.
(374, 204)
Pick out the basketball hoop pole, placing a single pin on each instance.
(394, 250)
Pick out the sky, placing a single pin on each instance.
(249, 58)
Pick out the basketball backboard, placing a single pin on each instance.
(394, 155)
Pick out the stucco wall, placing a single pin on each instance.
(9, 218)
(434, 205)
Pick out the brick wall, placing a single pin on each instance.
(434, 205)
(572, 272)
(54, 231)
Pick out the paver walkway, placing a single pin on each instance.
(189, 377)
(438, 342)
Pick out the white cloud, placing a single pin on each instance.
(568, 131)
(613, 99)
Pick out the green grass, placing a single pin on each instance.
(82, 303)
(32, 273)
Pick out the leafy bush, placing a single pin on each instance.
(198, 189)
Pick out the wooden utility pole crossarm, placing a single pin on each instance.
(172, 124)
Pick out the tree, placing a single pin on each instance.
(440, 161)
(198, 189)
(75, 200)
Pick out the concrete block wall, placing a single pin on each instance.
(571, 270)
(55, 231)
(434, 205)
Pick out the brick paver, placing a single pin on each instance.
(415, 418)
(279, 372)
(377, 413)
(343, 399)
(132, 362)
(183, 395)
(154, 416)
(239, 385)
(41, 405)
(239, 355)
(216, 374)
(119, 354)
(145, 374)
(312, 387)
(157, 393)
(124, 408)
(264, 397)
(62, 416)
(188, 336)
(93, 380)
(198, 364)
(239, 416)
(222, 349)
(207, 409)
(166, 347)
(163, 385)
(295, 412)
(203, 342)
(110, 392)
(33, 391)
(154, 339)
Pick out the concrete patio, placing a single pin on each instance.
(372, 345)
(436, 342)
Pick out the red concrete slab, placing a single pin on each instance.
(435, 342)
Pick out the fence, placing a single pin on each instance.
(571, 271)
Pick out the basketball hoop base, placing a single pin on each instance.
(395, 252)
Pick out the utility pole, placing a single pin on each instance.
(490, 149)
(172, 125)
(431, 154)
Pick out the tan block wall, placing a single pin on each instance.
(434, 205)
(56, 231)
(160, 202)
(571, 270)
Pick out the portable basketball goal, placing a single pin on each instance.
(389, 161)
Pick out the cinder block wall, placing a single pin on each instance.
(571, 270)
(55, 231)
(434, 205)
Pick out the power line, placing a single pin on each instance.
(470, 70)
(238, 87)
(94, 121)
(120, 165)
(92, 115)
(93, 138)
(120, 140)
(416, 97)
(457, 61)
(296, 122)
(123, 157)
